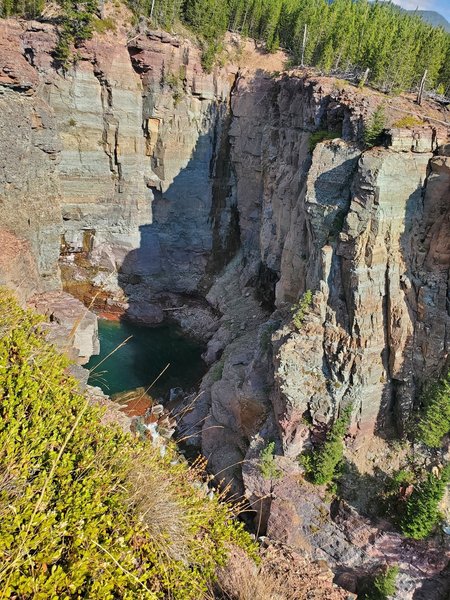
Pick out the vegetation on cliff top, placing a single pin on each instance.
(86, 510)
(343, 35)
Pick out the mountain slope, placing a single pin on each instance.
(434, 18)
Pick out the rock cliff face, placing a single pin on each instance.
(184, 113)
(29, 181)
(159, 186)
(344, 224)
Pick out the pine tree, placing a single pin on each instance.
(434, 422)
(321, 465)
(422, 508)
(375, 126)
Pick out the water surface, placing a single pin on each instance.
(143, 358)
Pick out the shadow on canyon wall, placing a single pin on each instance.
(193, 234)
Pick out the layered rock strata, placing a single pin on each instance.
(164, 187)
(342, 223)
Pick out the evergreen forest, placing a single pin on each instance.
(337, 36)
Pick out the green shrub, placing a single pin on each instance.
(408, 121)
(434, 423)
(391, 499)
(421, 513)
(300, 309)
(86, 510)
(268, 466)
(382, 586)
(321, 464)
(217, 370)
(374, 127)
(320, 136)
(104, 25)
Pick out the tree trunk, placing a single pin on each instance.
(305, 34)
(362, 83)
(421, 88)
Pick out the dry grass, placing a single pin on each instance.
(282, 574)
(156, 503)
(408, 121)
(241, 579)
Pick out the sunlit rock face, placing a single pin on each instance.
(355, 227)
(149, 175)
(359, 337)
(29, 181)
(103, 168)
(18, 266)
(140, 182)
(71, 328)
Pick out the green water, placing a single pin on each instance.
(143, 358)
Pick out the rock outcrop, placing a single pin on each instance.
(341, 223)
(18, 268)
(301, 515)
(160, 186)
(72, 328)
(29, 181)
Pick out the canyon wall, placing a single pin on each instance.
(140, 183)
(346, 224)
(29, 154)
(148, 175)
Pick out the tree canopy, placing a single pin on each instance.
(395, 45)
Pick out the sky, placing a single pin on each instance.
(440, 6)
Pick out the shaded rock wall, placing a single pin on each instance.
(184, 110)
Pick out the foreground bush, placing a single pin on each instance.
(86, 511)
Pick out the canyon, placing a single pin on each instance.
(135, 185)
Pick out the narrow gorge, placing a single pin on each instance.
(136, 186)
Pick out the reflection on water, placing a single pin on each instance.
(144, 357)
